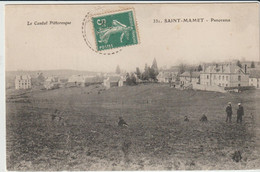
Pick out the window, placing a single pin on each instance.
(223, 78)
(239, 85)
(227, 78)
(226, 85)
(207, 76)
(239, 78)
(252, 80)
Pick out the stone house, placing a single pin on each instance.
(190, 78)
(254, 78)
(23, 82)
(224, 75)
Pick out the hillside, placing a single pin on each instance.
(87, 136)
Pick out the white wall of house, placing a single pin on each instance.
(120, 83)
(254, 82)
(185, 79)
(106, 83)
(224, 79)
(21, 83)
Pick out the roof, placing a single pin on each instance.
(166, 74)
(224, 68)
(114, 78)
(190, 74)
(22, 77)
(77, 78)
(254, 74)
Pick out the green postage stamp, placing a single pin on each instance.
(115, 30)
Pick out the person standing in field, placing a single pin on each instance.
(240, 113)
(229, 112)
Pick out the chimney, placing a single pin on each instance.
(245, 68)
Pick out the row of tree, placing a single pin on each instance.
(149, 74)
(240, 65)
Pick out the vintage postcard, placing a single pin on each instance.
(132, 86)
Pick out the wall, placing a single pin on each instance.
(224, 80)
(254, 82)
(208, 88)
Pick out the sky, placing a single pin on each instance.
(48, 47)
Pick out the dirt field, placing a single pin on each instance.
(86, 136)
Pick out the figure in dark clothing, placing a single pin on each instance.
(204, 118)
(229, 112)
(240, 113)
(122, 123)
(186, 118)
(237, 156)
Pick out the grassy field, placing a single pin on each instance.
(87, 136)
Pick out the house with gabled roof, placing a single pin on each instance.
(190, 77)
(224, 75)
(254, 78)
(77, 80)
(167, 76)
(114, 81)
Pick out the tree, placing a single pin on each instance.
(133, 79)
(239, 64)
(145, 74)
(152, 74)
(253, 64)
(130, 79)
(182, 68)
(138, 73)
(200, 68)
(155, 67)
(118, 71)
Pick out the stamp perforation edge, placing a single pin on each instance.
(113, 12)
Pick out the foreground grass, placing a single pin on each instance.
(88, 138)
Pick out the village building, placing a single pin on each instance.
(113, 81)
(77, 80)
(52, 82)
(166, 76)
(224, 75)
(190, 78)
(23, 82)
(90, 80)
(254, 78)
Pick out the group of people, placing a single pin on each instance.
(240, 112)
